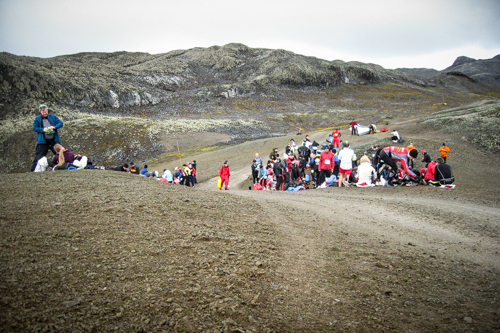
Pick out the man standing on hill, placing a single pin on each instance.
(444, 151)
(224, 174)
(353, 127)
(336, 137)
(45, 125)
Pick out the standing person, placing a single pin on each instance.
(426, 158)
(273, 154)
(336, 137)
(306, 142)
(224, 174)
(193, 164)
(410, 148)
(255, 171)
(354, 129)
(389, 156)
(46, 126)
(345, 156)
(326, 164)
(444, 151)
(258, 160)
(293, 146)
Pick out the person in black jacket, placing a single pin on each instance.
(443, 172)
(426, 158)
(121, 168)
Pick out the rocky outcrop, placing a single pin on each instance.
(485, 71)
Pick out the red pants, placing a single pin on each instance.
(225, 180)
(336, 141)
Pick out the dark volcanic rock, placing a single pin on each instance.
(484, 71)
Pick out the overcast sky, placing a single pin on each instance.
(391, 33)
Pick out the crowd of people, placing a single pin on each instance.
(309, 165)
(312, 165)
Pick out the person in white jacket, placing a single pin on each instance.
(366, 173)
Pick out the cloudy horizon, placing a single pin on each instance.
(390, 33)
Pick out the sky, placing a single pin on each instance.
(390, 33)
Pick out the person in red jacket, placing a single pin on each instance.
(224, 174)
(326, 165)
(429, 172)
(336, 137)
(353, 127)
(391, 155)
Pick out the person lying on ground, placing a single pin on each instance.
(123, 168)
(146, 173)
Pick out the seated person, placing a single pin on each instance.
(366, 173)
(443, 173)
(64, 158)
(80, 161)
(168, 175)
(133, 169)
(429, 172)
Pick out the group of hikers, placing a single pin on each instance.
(335, 164)
(183, 175)
(302, 167)
(46, 126)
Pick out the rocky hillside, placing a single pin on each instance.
(485, 71)
(421, 72)
(122, 106)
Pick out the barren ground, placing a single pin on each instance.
(99, 251)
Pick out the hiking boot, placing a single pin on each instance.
(411, 183)
(391, 185)
(346, 183)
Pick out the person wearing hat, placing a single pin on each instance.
(426, 158)
(46, 126)
(444, 151)
(193, 164)
(224, 174)
(391, 155)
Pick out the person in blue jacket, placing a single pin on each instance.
(46, 126)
